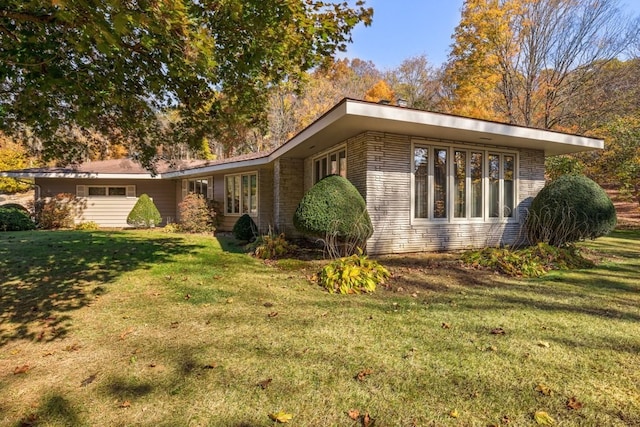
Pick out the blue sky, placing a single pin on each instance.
(405, 28)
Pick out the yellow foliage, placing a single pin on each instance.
(380, 91)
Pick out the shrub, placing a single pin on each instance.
(271, 246)
(171, 228)
(334, 210)
(570, 209)
(245, 228)
(87, 226)
(352, 275)
(195, 214)
(144, 214)
(14, 219)
(55, 212)
(534, 261)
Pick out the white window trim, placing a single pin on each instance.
(327, 155)
(185, 186)
(241, 174)
(83, 190)
(451, 148)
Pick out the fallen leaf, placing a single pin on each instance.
(88, 380)
(125, 404)
(505, 419)
(21, 369)
(73, 347)
(363, 374)
(125, 333)
(573, 403)
(498, 331)
(454, 413)
(174, 325)
(367, 421)
(264, 384)
(152, 365)
(543, 344)
(446, 325)
(268, 304)
(187, 296)
(272, 314)
(543, 419)
(48, 353)
(281, 417)
(354, 414)
(544, 389)
(210, 366)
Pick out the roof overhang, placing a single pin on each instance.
(350, 118)
(77, 175)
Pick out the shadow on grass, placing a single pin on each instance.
(54, 409)
(46, 275)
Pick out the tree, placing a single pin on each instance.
(532, 62)
(417, 82)
(110, 67)
(12, 157)
(380, 92)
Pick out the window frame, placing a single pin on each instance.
(469, 150)
(241, 193)
(129, 191)
(326, 156)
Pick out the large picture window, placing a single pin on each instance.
(452, 183)
(241, 194)
(332, 163)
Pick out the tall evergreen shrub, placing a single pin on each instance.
(144, 214)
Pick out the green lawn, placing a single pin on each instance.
(152, 329)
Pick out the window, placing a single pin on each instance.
(105, 191)
(332, 163)
(198, 186)
(456, 183)
(241, 194)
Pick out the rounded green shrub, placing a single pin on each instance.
(144, 214)
(14, 219)
(333, 207)
(245, 228)
(570, 209)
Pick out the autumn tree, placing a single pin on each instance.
(293, 107)
(380, 92)
(527, 61)
(12, 157)
(110, 66)
(417, 82)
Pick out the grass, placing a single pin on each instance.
(151, 329)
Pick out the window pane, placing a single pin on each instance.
(323, 167)
(460, 184)
(509, 188)
(97, 191)
(440, 183)
(494, 185)
(317, 176)
(421, 181)
(254, 194)
(229, 191)
(342, 157)
(333, 164)
(192, 186)
(245, 193)
(117, 191)
(203, 187)
(476, 170)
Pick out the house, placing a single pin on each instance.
(431, 181)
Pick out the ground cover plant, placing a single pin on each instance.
(154, 329)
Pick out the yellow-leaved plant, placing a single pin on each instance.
(353, 275)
